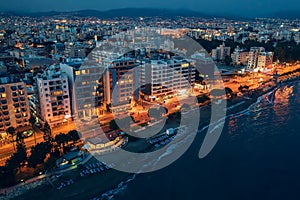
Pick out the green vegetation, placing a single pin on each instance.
(42, 156)
(283, 51)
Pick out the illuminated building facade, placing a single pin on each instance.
(14, 109)
(53, 97)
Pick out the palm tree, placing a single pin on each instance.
(32, 121)
(11, 131)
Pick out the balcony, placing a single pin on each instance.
(18, 116)
(16, 105)
(13, 88)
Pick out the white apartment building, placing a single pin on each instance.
(259, 58)
(53, 96)
(220, 52)
(265, 59)
(240, 57)
(159, 78)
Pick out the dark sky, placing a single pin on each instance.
(233, 7)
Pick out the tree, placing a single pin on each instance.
(11, 131)
(61, 139)
(47, 132)
(50, 163)
(73, 136)
(32, 121)
(228, 91)
(39, 153)
(243, 89)
(18, 158)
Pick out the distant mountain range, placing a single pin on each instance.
(147, 12)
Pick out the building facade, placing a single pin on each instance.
(86, 95)
(220, 52)
(53, 96)
(120, 84)
(259, 58)
(14, 110)
(240, 57)
(159, 78)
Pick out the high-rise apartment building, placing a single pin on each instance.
(240, 56)
(259, 58)
(86, 95)
(14, 109)
(220, 52)
(53, 96)
(120, 84)
(159, 78)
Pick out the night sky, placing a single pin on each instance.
(232, 7)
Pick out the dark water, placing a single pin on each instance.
(257, 157)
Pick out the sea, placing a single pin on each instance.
(256, 157)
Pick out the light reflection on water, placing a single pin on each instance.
(257, 157)
(268, 116)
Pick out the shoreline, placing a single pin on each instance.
(234, 106)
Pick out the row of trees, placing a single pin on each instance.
(44, 153)
(125, 122)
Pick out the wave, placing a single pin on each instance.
(246, 111)
(111, 194)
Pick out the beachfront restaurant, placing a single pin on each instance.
(101, 144)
